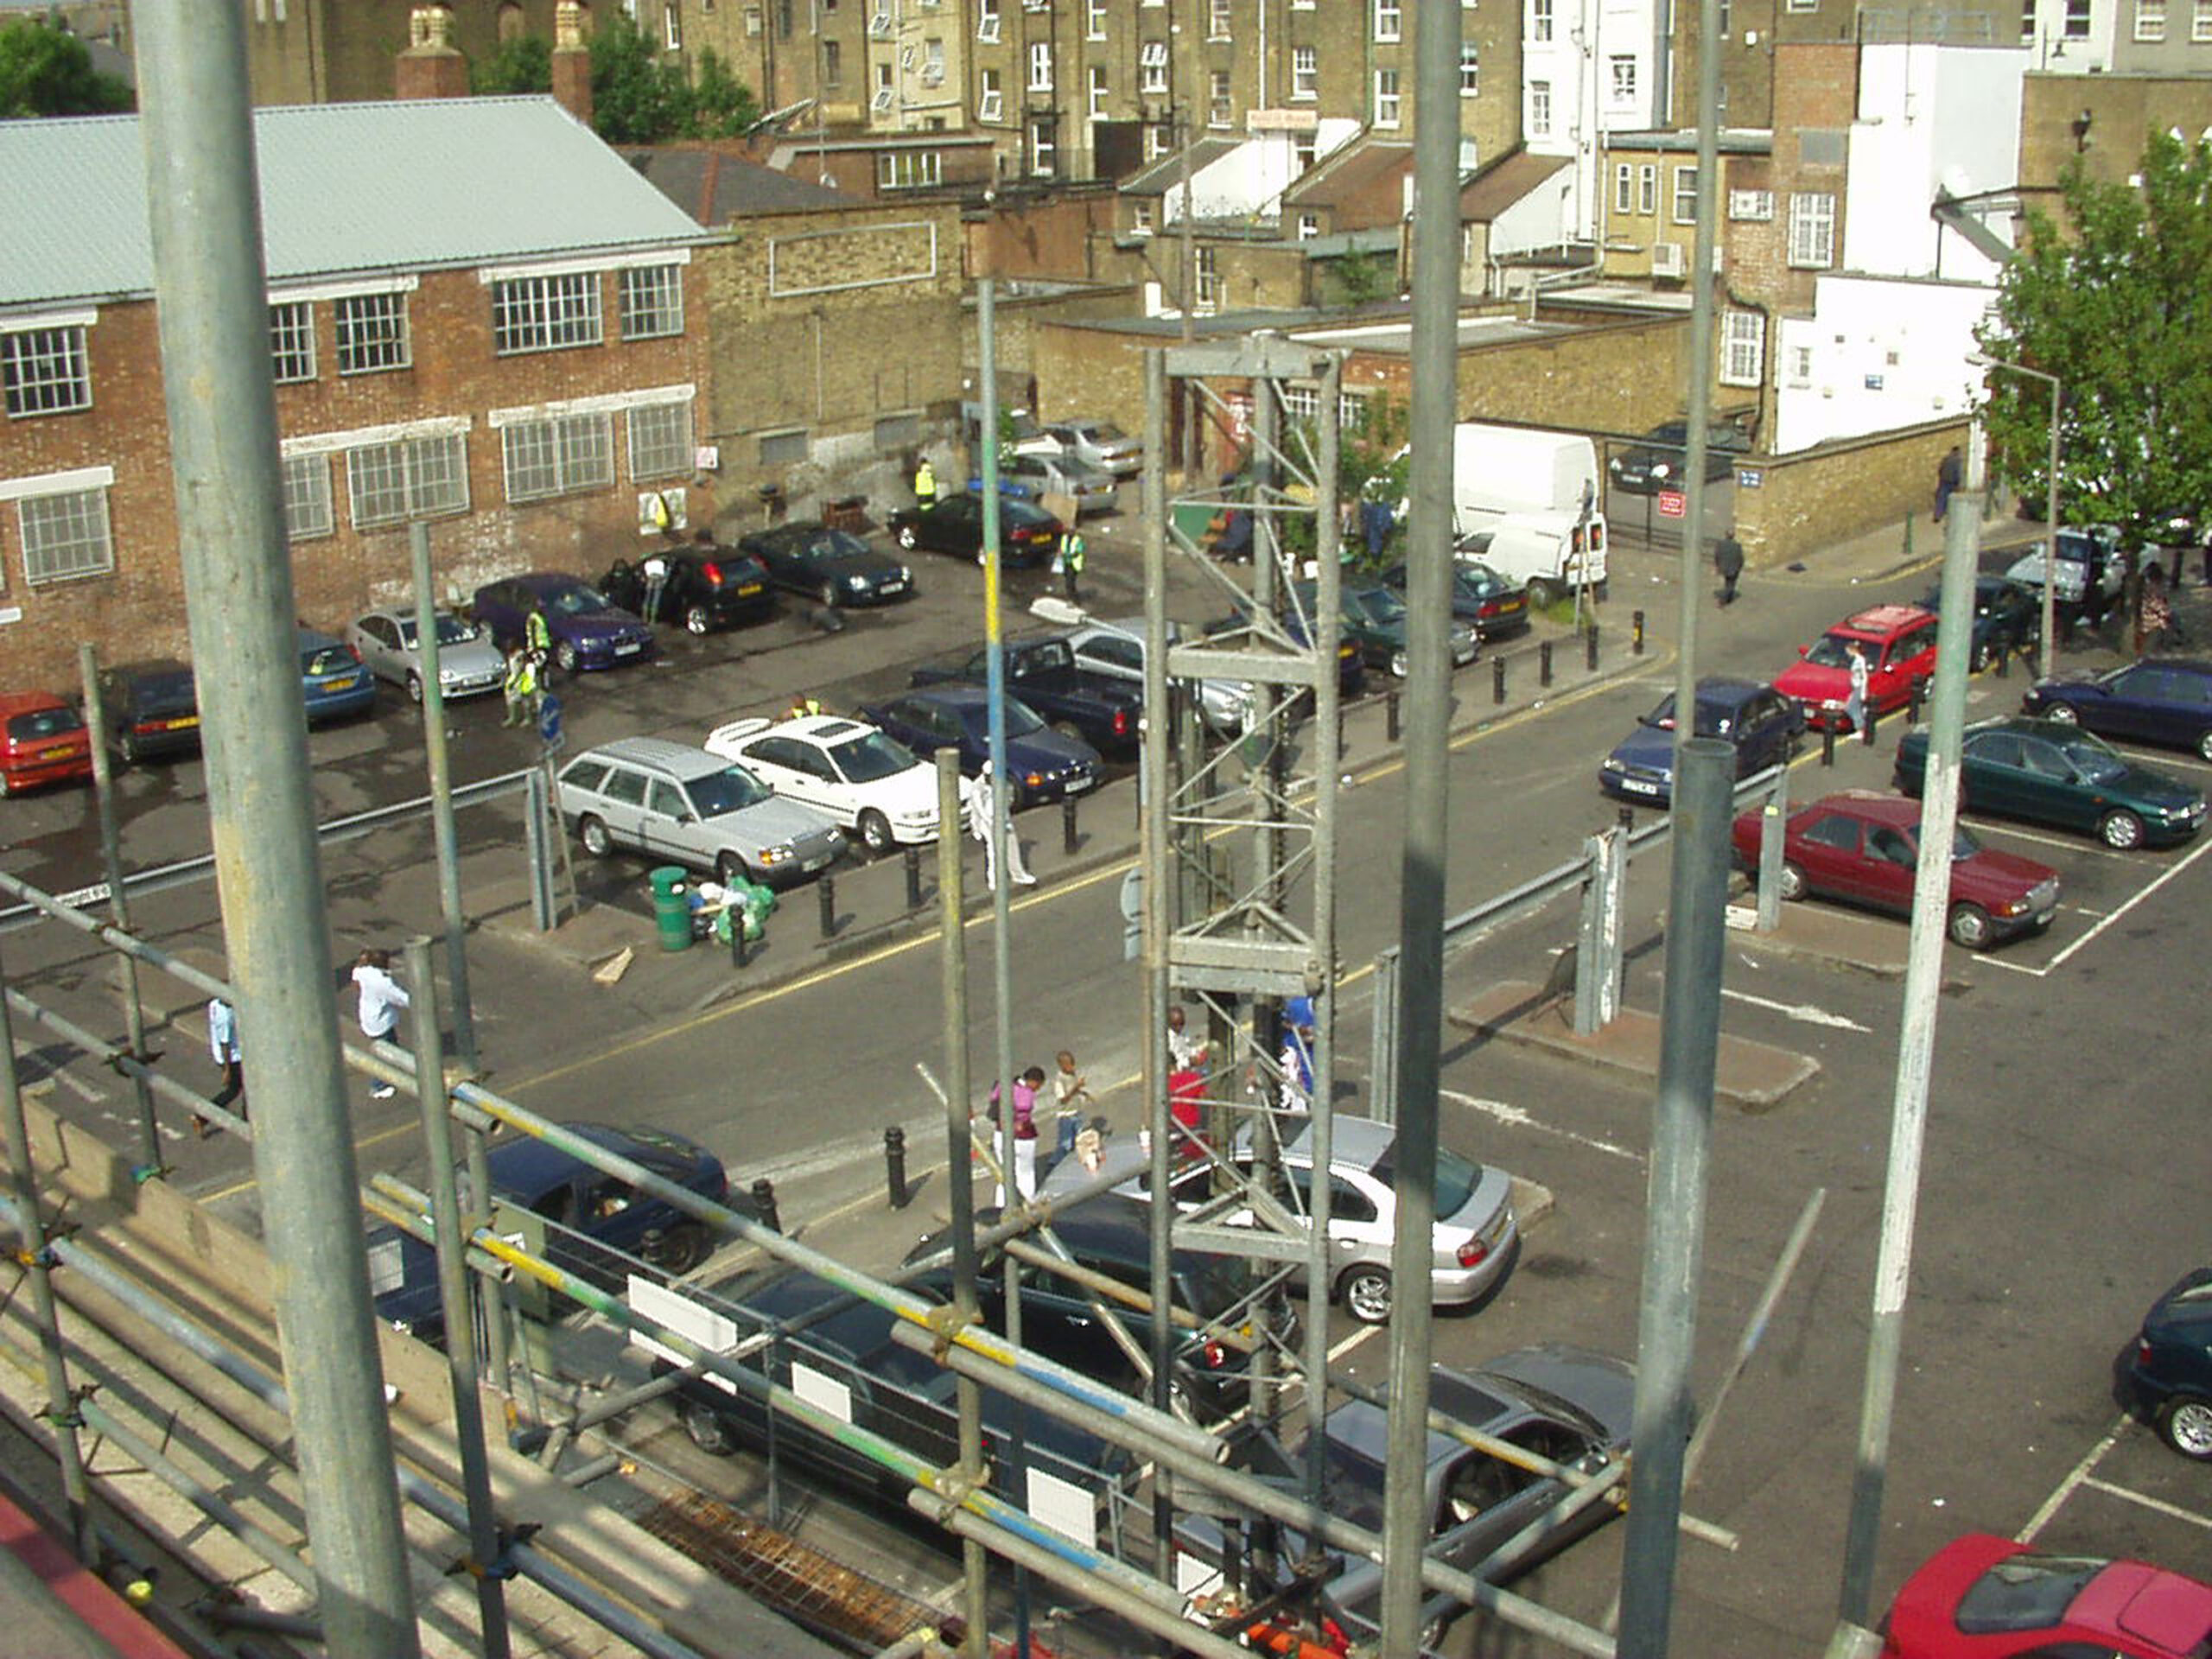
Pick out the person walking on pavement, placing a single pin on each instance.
(520, 688)
(382, 998)
(1949, 471)
(223, 1046)
(924, 484)
(1728, 560)
(1296, 1060)
(1186, 1050)
(1071, 563)
(981, 814)
(1069, 1089)
(1854, 708)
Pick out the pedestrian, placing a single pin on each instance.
(1186, 1050)
(1296, 1060)
(1854, 707)
(802, 706)
(1376, 522)
(520, 688)
(655, 568)
(1068, 1090)
(382, 998)
(1024, 1132)
(1071, 563)
(2157, 629)
(1949, 471)
(924, 484)
(537, 639)
(223, 1047)
(1728, 560)
(981, 814)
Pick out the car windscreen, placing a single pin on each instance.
(44, 722)
(1833, 651)
(730, 789)
(574, 599)
(832, 544)
(1480, 580)
(869, 759)
(2097, 761)
(325, 660)
(1714, 719)
(2025, 1593)
(1378, 605)
(1020, 720)
(1104, 432)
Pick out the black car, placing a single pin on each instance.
(707, 587)
(1657, 461)
(152, 709)
(1762, 723)
(2007, 616)
(832, 566)
(1044, 764)
(1481, 598)
(1028, 536)
(2167, 1376)
(2167, 701)
(596, 1225)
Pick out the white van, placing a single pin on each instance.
(1552, 553)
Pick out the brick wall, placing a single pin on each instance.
(1611, 377)
(1065, 237)
(1817, 496)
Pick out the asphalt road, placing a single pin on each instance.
(2058, 1151)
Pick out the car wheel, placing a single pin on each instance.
(705, 1426)
(696, 619)
(2186, 1426)
(2121, 828)
(1793, 881)
(128, 747)
(2204, 744)
(414, 687)
(593, 834)
(1980, 658)
(1366, 1293)
(1401, 664)
(565, 655)
(907, 539)
(6, 789)
(2066, 715)
(827, 593)
(676, 1250)
(874, 831)
(1068, 729)
(1969, 926)
(729, 870)
(1542, 594)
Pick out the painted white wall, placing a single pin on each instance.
(2050, 50)
(1929, 116)
(1577, 65)
(1537, 220)
(1877, 353)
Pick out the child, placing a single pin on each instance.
(1067, 1090)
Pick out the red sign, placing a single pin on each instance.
(1672, 504)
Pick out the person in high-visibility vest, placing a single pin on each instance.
(1071, 563)
(924, 484)
(520, 688)
(537, 639)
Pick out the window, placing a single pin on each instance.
(1387, 100)
(372, 333)
(987, 20)
(1306, 71)
(560, 456)
(1042, 139)
(2149, 20)
(1623, 79)
(2078, 20)
(651, 301)
(1208, 294)
(1540, 109)
(1623, 188)
(1218, 24)
(1140, 218)
(1685, 195)
(1812, 229)
(1750, 204)
(2027, 22)
(1309, 227)
(673, 22)
(933, 62)
(47, 370)
(1040, 66)
(1804, 5)
(660, 440)
(895, 433)
(1158, 140)
(782, 448)
(291, 342)
(1304, 146)
(1301, 403)
(1742, 348)
(833, 63)
(1540, 20)
(1471, 69)
(906, 169)
(65, 536)
(1099, 92)
(1218, 107)
(1647, 188)
(2199, 23)
(1151, 61)
(1726, 18)
(545, 313)
(1352, 411)
(1390, 20)
(408, 478)
(991, 100)
(309, 510)
(1094, 20)
(1801, 366)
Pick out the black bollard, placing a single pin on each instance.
(737, 952)
(914, 878)
(1916, 694)
(1590, 647)
(1067, 823)
(1390, 726)
(2002, 653)
(1636, 634)
(894, 1166)
(1869, 718)
(1497, 679)
(1627, 815)
(827, 889)
(764, 1205)
(1827, 742)
(1544, 664)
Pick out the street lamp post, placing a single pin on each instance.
(2050, 506)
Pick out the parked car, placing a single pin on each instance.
(2167, 701)
(1484, 601)
(596, 1224)
(682, 806)
(1044, 764)
(42, 741)
(707, 587)
(1032, 477)
(1105, 711)
(2086, 558)
(833, 567)
(2166, 1374)
(588, 632)
(1475, 1227)
(1028, 536)
(151, 709)
(867, 780)
(332, 677)
(1374, 621)
(1659, 461)
(1352, 661)
(1862, 849)
(1982, 1596)
(2007, 616)
(389, 643)
(1762, 724)
(1898, 642)
(1115, 651)
(2052, 772)
(1098, 443)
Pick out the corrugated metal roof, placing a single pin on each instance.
(345, 188)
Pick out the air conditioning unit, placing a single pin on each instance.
(1667, 259)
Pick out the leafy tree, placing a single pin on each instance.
(47, 71)
(1373, 464)
(522, 65)
(1361, 276)
(721, 106)
(636, 98)
(2115, 302)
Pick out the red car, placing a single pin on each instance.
(43, 740)
(1898, 641)
(1985, 1598)
(1862, 847)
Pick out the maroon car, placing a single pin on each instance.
(1862, 847)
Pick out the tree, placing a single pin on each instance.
(522, 65)
(2115, 302)
(47, 71)
(635, 97)
(721, 106)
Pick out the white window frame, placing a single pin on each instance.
(1542, 20)
(991, 103)
(291, 341)
(1206, 300)
(2199, 23)
(2078, 19)
(1540, 109)
(1306, 73)
(658, 440)
(1094, 20)
(1100, 93)
(1040, 66)
(1389, 20)
(1309, 227)
(1812, 230)
(1685, 204)
(1800, 359)
(648, 301)
(310, 507)
(1140, 218)
(1623, 188)
(558, 454)
(986, 21)
(1621, 78)
(1389, 99)
(2027, 22)
(2151, 20)
(672, 24)
(1804, 5)
(1751, 206)
(1646, 188)
(1221, 104)
(369, 344)
(1471, 69)
(546, 311)
(1743, 348)
(432, 482)
(1044, 147)
(1220, 25)
(1152, 66)
(908, 169)
(62, 527)
(1301, 401)
(57, 355)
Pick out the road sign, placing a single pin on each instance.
(1672, 504)
(549, 720)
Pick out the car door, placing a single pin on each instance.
(1762, 733)
(2046, 784)
(1992, 775)
(1886, 871)
(674, 828)
(1825, 847)
(379, 642)
(1909, 657)
(957, 525)
(816, 781)
(622, 799)
(2137, 704)
(499, 607)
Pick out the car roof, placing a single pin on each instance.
(23, 702)
(1357, 1142)
(1870, 805)
(1728, 691)
(823, 728)
(952, 693)
(527, 1165)
(1880, 621)
(685, 759)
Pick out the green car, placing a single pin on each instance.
(2055, 773)
(1375, 621)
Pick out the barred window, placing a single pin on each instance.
(411, 478)
(560, 456)
(660, 440)
(47, 370)
(782, 448)
(652, 301)
(545, 313)
(66, 535)
(1301, 403)
(291, 341)
(894, 432)
(1812, 229)
(308, 509)
(372, 333)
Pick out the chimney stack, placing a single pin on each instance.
(571, 61)
(431, 66)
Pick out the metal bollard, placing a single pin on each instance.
(1590, 647)
(1870, 717)
(1544, 664)
(2002, 653)
(894, 1166)
(1827, 742)
(1067, 823)
(1390, 725)
(737, 949)
(1635, 632)
(764, 1205)
(914, 878)
(1627, 816)
(1497, 679)
(827, 890)
(1915, 695)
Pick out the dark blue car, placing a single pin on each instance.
(587, 630)
(1044, 765)
(1759, 720)
(2165, 1375)
(2159, 699)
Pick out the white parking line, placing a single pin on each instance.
(2066, 1488)
(2104, 921)
(2158, 1504)
(1352, 1342)
(1805, 1012)
(1517, 1118)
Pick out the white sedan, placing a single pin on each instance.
(865, 779)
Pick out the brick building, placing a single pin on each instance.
(511, 350)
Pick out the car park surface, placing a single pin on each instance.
(2166, 700)
(1042, 764)
(2051, 772)
(387, 641)
(833, 567)
(587, 630)
(1898, 642)
(1028, 536)
(873, 785)
(676, 803)
(43, 741)
(1761, 724)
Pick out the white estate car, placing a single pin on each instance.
(867, 780)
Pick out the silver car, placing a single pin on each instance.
(1116, 650)
(468, 663)
(1098, 443)
(682, 806)
(1093, 489)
